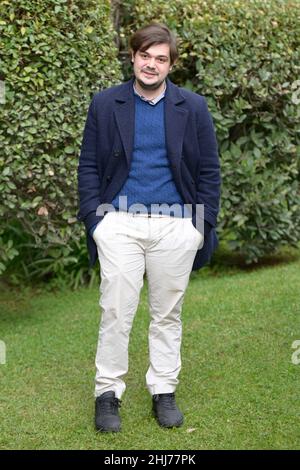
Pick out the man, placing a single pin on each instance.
(146, 143)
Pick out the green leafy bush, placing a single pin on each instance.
(54, 55)
(244, 58)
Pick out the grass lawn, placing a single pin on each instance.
(238, 386)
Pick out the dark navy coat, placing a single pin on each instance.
(107, 149)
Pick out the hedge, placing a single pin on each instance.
(244, 58)
(54, 55)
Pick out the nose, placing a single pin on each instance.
(151, 62)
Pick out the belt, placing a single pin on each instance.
(144, 214)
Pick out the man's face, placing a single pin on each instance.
(152, 66)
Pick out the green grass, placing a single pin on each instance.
(238, 387)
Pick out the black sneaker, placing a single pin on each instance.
(166, 411)
(107, 417)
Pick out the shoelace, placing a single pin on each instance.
(110, 405)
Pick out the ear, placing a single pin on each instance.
(132, 55)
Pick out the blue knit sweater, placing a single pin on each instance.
(150, 180)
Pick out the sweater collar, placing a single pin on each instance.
(155, 100)
(172, 92)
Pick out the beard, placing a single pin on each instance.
(149, 86)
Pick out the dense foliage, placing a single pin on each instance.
(242, 56)
(54, 55)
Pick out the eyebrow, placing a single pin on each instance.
(144, 52)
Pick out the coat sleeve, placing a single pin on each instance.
(89, 179)
(208, 182)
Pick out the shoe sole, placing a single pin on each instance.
(175, 425)
(108, 430)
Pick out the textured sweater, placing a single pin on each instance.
(150, 179)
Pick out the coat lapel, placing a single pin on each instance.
(124, 113)
(175, 120)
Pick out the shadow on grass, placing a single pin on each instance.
(226, 261)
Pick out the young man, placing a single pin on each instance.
(149, 161)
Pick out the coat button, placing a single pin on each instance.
(108, 178)
(116, 154)
(174, 166)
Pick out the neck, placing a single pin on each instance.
(149, 94)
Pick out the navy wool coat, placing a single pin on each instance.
(107, 148)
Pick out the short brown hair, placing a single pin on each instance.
(154, 33)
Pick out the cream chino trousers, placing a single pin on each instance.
(128, 246)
